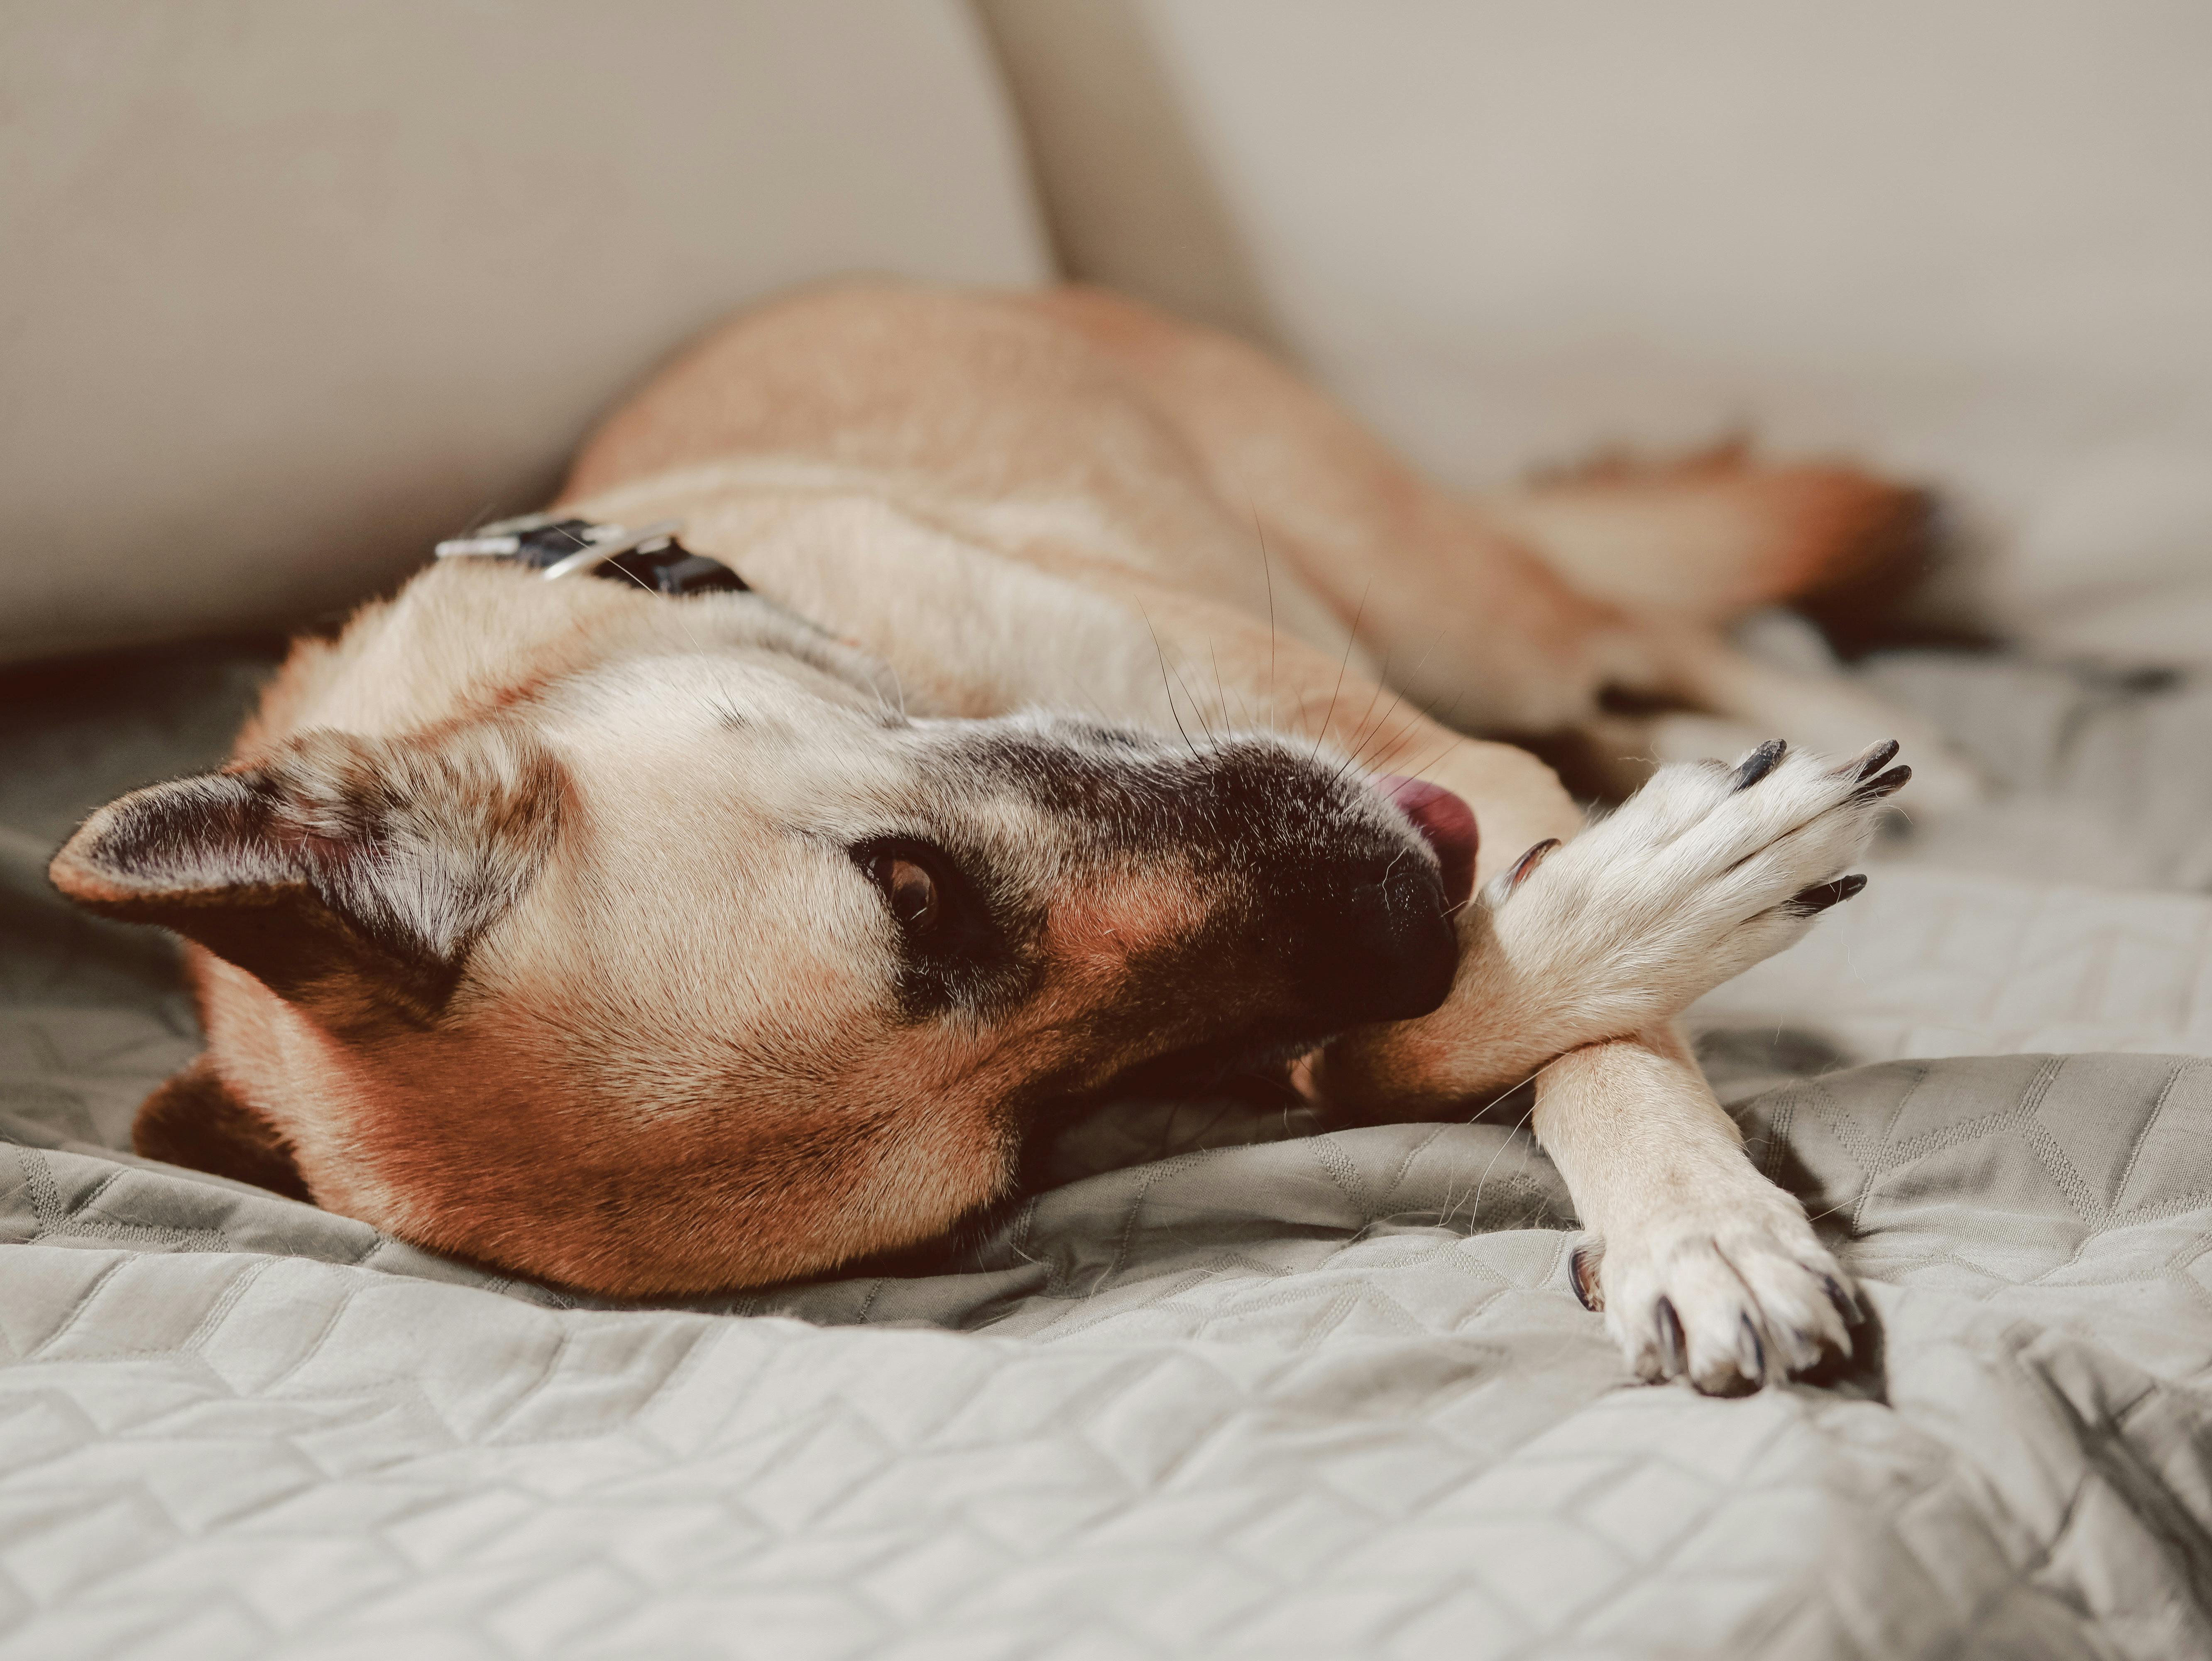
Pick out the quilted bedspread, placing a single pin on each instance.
(1232, 1388)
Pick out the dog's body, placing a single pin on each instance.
(527, 906)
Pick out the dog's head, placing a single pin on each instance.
(702, 970)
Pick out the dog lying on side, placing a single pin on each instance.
(1072, 742)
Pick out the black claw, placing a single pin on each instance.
(1759, 762)
(1817, 898)
(1753, 1349)
(1581, 1270)
(1670, 1338)
(1877, 758)
(1845, 1301)
(1885, 784)
(1528, 862)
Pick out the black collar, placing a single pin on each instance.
(650, 558)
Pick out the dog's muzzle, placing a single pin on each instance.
(1381, 949)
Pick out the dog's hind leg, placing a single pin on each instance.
(1750, 699)
(1685, 549)
(1543, 610)
(1717, 535)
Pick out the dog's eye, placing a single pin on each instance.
(919, 885)
(953, 948)
(912, 893)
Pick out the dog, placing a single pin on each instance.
(1064, 729)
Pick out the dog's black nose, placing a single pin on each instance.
(1381, 948)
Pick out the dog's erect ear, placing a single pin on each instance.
(195, 1121)
(380, 861)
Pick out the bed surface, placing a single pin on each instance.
(1230, 1389)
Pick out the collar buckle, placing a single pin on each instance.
(649, 557)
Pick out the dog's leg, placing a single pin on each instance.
(1520, 611)
(1683, 550)
(1729, 699)
(1574, 960)
(1704, 1269)
(1713, 536)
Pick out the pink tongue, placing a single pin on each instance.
(1446, 823)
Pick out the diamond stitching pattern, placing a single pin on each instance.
(1362, 1445)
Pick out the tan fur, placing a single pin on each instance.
(991, 505)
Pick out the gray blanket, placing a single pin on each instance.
(1232, 1389)
(1327, 1397)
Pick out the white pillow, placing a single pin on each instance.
(1969, 241)
(291, 291)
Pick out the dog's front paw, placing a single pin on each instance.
(1731, 1298)
(1708, 869)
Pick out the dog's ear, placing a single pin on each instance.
(195, 1121)
(338, 859)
